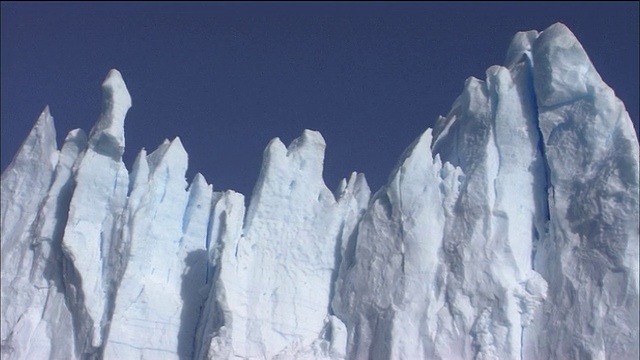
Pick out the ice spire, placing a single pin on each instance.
(92, 241)
(107, 136)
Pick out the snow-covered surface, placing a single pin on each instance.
(509, 231)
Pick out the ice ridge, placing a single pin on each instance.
(508, 231)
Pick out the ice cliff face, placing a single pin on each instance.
(509, 231)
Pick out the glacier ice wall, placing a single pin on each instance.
(590, 255)
(509, 231)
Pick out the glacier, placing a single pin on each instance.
(508, 231)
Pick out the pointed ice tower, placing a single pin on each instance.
(91, 237)
(508, 232)
(165, 234)
(275, 279)
(33, 312)
(389, 289)
(590, 256)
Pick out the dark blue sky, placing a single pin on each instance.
(228, 77)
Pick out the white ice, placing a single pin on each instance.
(509, 231)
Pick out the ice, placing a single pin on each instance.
(509, 231)
(38, 155)
(91, 232)
(34, 317)
(382, 297)
(213, 337)
(165, 235)
(520, 46)
(283, 310)
(56, 318)
(590, 257)
(107, 136)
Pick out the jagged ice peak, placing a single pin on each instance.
(509, 231)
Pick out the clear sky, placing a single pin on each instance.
(228, 77)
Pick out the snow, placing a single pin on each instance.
(509, 231)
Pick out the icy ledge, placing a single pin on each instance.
(509, 231)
